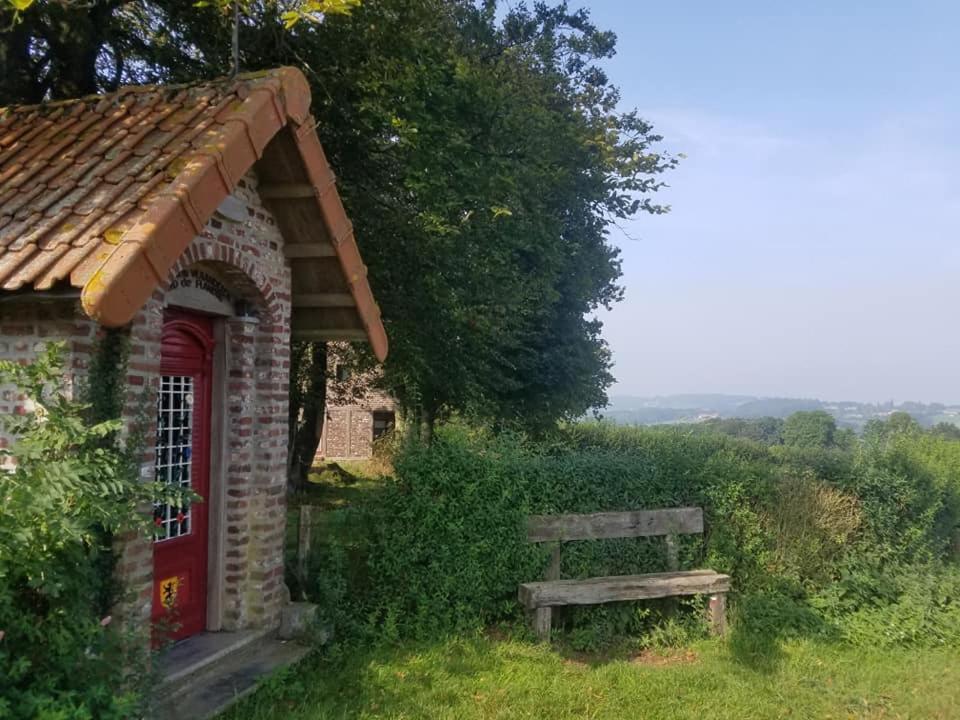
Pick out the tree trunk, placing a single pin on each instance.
(308, 414)
(428, 418)
(54, 50)
(76, 36)
(18, 79)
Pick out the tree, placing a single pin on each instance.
(487, 161)
(897, 423)
(481, 157)
(901, 423)
(810, 429)
(308, 398)
(946, 430)
(53, 49)
(766, 430)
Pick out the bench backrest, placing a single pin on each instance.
(607, 525)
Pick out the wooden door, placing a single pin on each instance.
(182, 459)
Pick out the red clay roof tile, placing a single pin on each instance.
(106, 192)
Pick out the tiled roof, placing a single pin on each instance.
(104, 193)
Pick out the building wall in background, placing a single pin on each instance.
(357, 412)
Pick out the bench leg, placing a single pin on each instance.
(717, 614)
(541, 623)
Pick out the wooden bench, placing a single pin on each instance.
(540, 597)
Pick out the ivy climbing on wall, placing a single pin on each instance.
(103, 393)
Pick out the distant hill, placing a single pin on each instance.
(684, 402)
(691, 408)
(775, 407)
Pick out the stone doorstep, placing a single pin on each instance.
(188, 658)
(207, 673)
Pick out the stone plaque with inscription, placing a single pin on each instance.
(200, 290)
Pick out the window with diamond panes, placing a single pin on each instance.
(174, 452)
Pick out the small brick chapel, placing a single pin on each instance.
(204, 222)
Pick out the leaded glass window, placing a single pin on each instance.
(174, 452)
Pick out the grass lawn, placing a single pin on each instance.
(331, 487)
(485, 677)
(481, 677)
(338, 485)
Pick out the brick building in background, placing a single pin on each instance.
(357, 412)
(203, 221)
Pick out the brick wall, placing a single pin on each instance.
(348, 432)
(351, 404)
(250, 409)
(26, 327)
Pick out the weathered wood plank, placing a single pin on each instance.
(596, 591)
(287, 191)
(309, 250)
(717, 614)
(673, 553)
(599, 526)
(304, 539)
(322, 300)
(542, 618)
(553, 569)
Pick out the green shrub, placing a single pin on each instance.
(905, 605)
(909, 490)
(444, 547)
(447, 544)
(810, 429)
(65, 485)
(811, 526)
(654, 624)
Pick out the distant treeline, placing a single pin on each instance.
(707, 407)
(818, 428)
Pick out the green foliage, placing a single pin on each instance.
(946, 430)
(487, 160)
(625, 627)
(810, 524)
(70, 483)
(810, 429)
(448, 536)
(444, 545)
(895, 605)
(766, 430)
(910, 495)
(482, 153)
(897, 423)
(311, 10)
(290, 12)
(817, 533)
(106, 385)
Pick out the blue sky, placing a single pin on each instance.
(813, 247)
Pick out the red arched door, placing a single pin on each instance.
(182, 459)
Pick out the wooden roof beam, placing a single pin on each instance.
(287, 191)
(323, 300)
(309, 250)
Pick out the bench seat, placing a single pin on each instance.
(595, 591)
